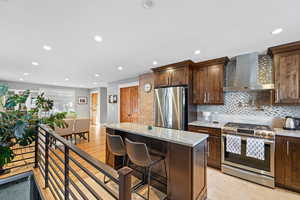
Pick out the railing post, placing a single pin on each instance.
(36, 145)
(125, 183)
(66, 172)
(47, 159)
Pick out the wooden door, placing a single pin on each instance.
(293, 163)
(199, 85)
(287, 77)
(179, 76)
(129, 104)
(125, 107)
(134, 91)
(161, 78)
(94, 108)
(215, 82)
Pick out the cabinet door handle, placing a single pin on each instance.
(208, 150)
(287, 147)
(204, 97)
(202, 131)
(208, 97)
(277, 96)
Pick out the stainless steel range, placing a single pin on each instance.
(248, 152)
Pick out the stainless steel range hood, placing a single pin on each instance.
(243, 74)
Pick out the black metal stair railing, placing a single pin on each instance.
(71, 173)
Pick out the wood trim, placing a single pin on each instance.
(217, 61)
(284, 48)
(125, 183)
(172, 66)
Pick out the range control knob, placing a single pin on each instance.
(258, 133)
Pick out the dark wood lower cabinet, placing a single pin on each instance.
(287, 162)
(214, 152)
(213, 144)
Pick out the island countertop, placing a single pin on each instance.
(185, 138)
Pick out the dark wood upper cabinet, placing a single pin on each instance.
(199, 85)
(173, 74)
(215, 94)
(161, 78)
(179, 76)
(208, 81)
(286, 65)
(287, 162)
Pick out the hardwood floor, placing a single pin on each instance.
(220, 186)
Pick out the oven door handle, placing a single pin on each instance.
(245, 139)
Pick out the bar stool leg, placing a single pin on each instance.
(165, 169)
(104, 181)
(124, 161)
(149, 183)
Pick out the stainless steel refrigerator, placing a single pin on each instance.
(171, 107)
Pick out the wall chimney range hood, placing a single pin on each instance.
(245, 73)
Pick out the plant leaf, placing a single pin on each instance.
(19, 129)
(3, 90)
(6, 155)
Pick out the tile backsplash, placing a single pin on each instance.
(237, 103)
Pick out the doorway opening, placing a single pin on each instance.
(95, 109)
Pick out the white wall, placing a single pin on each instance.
(82, 110)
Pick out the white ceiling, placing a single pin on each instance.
(132, 36)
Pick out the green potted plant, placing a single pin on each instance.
(18, 125)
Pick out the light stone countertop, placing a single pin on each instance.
(207, 124)
(185, 138)
(288, 133)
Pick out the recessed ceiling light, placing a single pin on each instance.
(97, 75)
(66, 79)
(148, 4)
(155, 62)
(47, 47)
(197, 52)
(98, 38)
(35, 63)
(120, 68)
(95, 83)
(277, 31)
(26, 74)
(21, 79)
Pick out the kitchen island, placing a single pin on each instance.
(185, 153)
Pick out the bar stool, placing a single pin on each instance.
(116, 146)
(139, 155)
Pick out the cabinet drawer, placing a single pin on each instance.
(205, 130)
